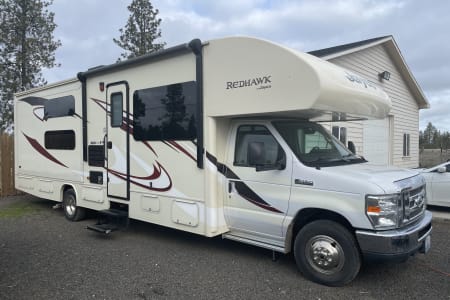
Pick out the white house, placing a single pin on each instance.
(394, 140)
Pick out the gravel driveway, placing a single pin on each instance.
(43, 256)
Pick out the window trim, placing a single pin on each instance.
(406, 145)
(340, 130)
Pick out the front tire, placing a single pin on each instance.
(72, 212)
(327, 253)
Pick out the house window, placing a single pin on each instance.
(406, 144)
(60, 140)
(340, 133)
(166, 112)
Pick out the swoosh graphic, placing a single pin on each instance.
(38, 147)
(38, 112)
(147, 182)
(40, 102)
(241, 187)
(179, 147)
(34, 101)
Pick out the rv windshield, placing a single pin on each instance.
(314, 146)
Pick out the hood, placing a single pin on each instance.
(387, 178)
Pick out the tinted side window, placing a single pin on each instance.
(60, 139)
(260, 137)
(59, 107)
(166, 112)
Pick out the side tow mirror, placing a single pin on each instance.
(351, 147)
(441, 170)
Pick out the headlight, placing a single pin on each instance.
(384, 211)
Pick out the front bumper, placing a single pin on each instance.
(396, 244)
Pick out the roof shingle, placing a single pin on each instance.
(340, 48)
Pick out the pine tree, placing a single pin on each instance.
(27, 45)
(430, 134)
(139, 35)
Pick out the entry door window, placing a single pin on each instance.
(116, 109)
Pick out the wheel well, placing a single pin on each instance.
(308, 215)
(65, 188)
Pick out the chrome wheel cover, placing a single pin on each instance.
(324, 254)
(70, 205)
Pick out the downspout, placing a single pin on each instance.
(196, 47)
(82, 79)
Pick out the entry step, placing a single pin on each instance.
(110, 220)
(103, 228)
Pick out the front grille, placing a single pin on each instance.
(413, 204)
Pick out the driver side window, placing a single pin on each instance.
(255, 145)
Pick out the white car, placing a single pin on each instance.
(438, 184)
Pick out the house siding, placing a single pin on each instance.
(354, 132)
(405, 111)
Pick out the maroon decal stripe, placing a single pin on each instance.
(156, 173)
(149, 147)
(35, 144)
(124, 126)
(146, 187)
(242, 189)
(170, 146)
(264, 206)
(123, 177)
(105, 107)
(248, 194)
(179, 147)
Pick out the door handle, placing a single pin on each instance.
(109, 145)
(105, 150)
(230, 186)
(304, 182)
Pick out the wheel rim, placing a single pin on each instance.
(324, 254)
(70, 205)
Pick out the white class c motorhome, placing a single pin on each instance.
(224, 138)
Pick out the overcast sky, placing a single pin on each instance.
(421, 28)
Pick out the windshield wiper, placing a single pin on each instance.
(352, 156)
(346, 159)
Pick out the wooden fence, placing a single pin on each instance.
(7, 165)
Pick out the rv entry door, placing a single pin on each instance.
(117, 140)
